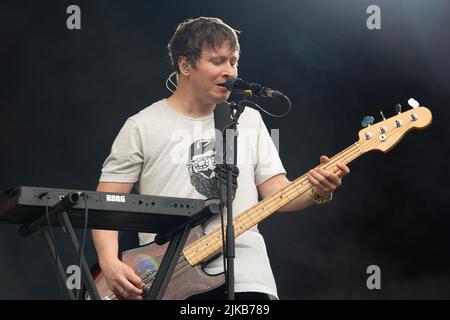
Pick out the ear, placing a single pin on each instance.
(183, 65)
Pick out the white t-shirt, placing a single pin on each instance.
(169, 154)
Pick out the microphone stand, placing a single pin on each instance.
(229, 169)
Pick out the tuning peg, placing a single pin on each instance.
(398, 108)
(413, 103)
(367, 121)
(382, 115)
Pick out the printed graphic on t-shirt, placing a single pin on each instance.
(201, 167)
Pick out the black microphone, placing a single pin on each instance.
(239, 85)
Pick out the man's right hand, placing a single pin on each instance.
(120, 277)
(122, 280)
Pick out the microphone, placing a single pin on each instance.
(239, 85)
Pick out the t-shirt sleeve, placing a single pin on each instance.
(268, 163)
(124, 163)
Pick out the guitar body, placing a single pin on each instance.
(186, 282)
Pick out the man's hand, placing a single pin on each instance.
(120, 277)
(325, 182)
(122, 280)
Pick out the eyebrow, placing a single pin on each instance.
(215, 56)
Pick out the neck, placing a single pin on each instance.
(184, 102)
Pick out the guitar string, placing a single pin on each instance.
(268, 203)
(348, 153)
(245, 217)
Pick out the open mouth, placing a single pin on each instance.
(221, 84)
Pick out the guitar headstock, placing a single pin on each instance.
(384, 135)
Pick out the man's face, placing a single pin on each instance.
(211, 71)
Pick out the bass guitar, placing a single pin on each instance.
(189, 279)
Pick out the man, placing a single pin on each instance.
(167, 150)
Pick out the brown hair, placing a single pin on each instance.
(193, 35)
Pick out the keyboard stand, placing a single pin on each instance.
(58, 211)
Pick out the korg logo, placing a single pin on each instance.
(115, 198)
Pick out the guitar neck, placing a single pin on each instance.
(207, 246)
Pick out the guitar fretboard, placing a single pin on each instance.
(209, 245)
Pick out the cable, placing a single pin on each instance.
(267, 112)
(83, 242)
(222, 223)
(52, 235)
(169, 79)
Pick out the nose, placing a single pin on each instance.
(230, 70)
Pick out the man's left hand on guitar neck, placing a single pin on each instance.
(323, 182)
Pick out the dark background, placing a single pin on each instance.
(65, 94)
